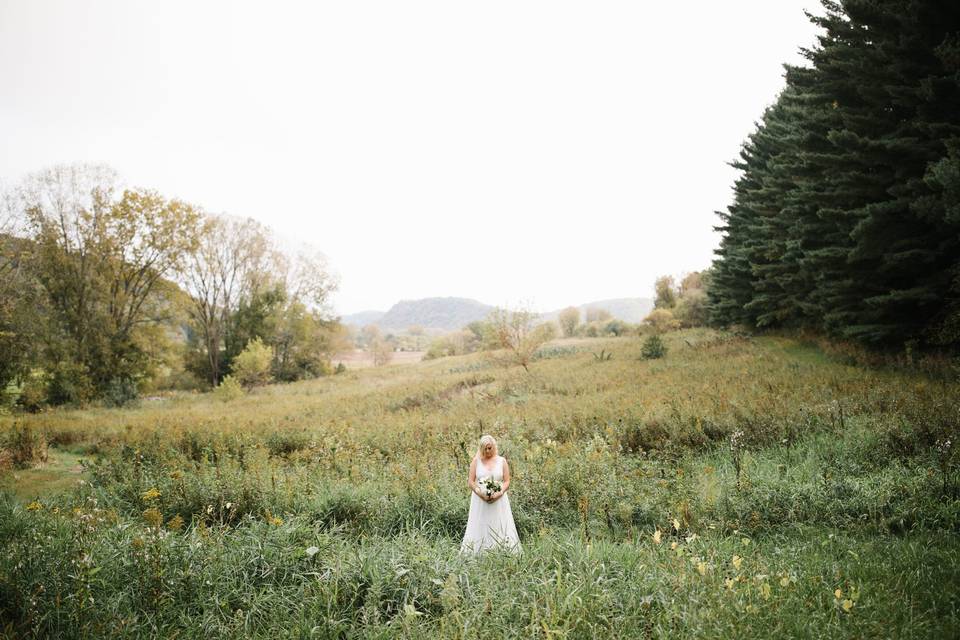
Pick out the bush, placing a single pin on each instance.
(33, 395)
(662, 320)
(252, 366)
(26, 445)
(229, 389)
(653, 348)
(120, 392)
(69, 383)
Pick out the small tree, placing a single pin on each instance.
(381, 351)
(515, 337)
(252, 366)
(569, 321)
(653, 347)
(666, 293)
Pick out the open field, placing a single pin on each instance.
(335, 507)
(359, 359)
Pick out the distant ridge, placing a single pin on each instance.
(450, 314)
(631, 310)
(443, 314)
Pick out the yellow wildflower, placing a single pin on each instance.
(838, 594)
(656, 536)
(702, 568)
(153, 517)
(673, 546)
(765, 590)
(729, 582)
(175, 523)
(150, 494)
(676, 525)
(847, 605)
(736, 561)
(784, 581)
(36, 505)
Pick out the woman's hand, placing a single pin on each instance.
(496, 496)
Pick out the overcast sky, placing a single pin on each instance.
(547, 153)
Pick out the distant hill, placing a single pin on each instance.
(444, 314)
(363, 318)
(450, 314)
(631, 310)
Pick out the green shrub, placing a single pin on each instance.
(33, 394)
(653, 347)
(252, 366)
(120, 392)
(229, 389)
(70, 383)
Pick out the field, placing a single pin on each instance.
(359, 359)
(738, 487)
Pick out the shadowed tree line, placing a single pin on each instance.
(846, 216)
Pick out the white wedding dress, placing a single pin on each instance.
(490, 524)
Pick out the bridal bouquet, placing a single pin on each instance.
(489, 485)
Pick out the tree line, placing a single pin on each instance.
(846, 214)
(106, 292)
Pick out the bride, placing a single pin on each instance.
(490, 522)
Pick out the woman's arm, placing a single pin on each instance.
(506, 481)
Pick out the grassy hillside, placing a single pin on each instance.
(738, 487)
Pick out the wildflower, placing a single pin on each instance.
(153, 517)
(656, 536)
(673, 546)
(702, 568)
(765, 590)
(36, 505)
(745, 542)
(176, 474)
(676, 525)
(784, 581)
(729, 582)
(690, 538)
(137, 543)
(736, 561)
(175, 523)
(847, 605)
(150, 494)
(838, 594)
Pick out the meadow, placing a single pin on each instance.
(738, 487)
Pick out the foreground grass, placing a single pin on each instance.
(299, 579)
(334, 508)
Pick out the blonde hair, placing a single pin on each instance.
(484, 441)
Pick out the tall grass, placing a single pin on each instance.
(334, 508)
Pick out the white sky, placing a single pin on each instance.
(548, 152)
